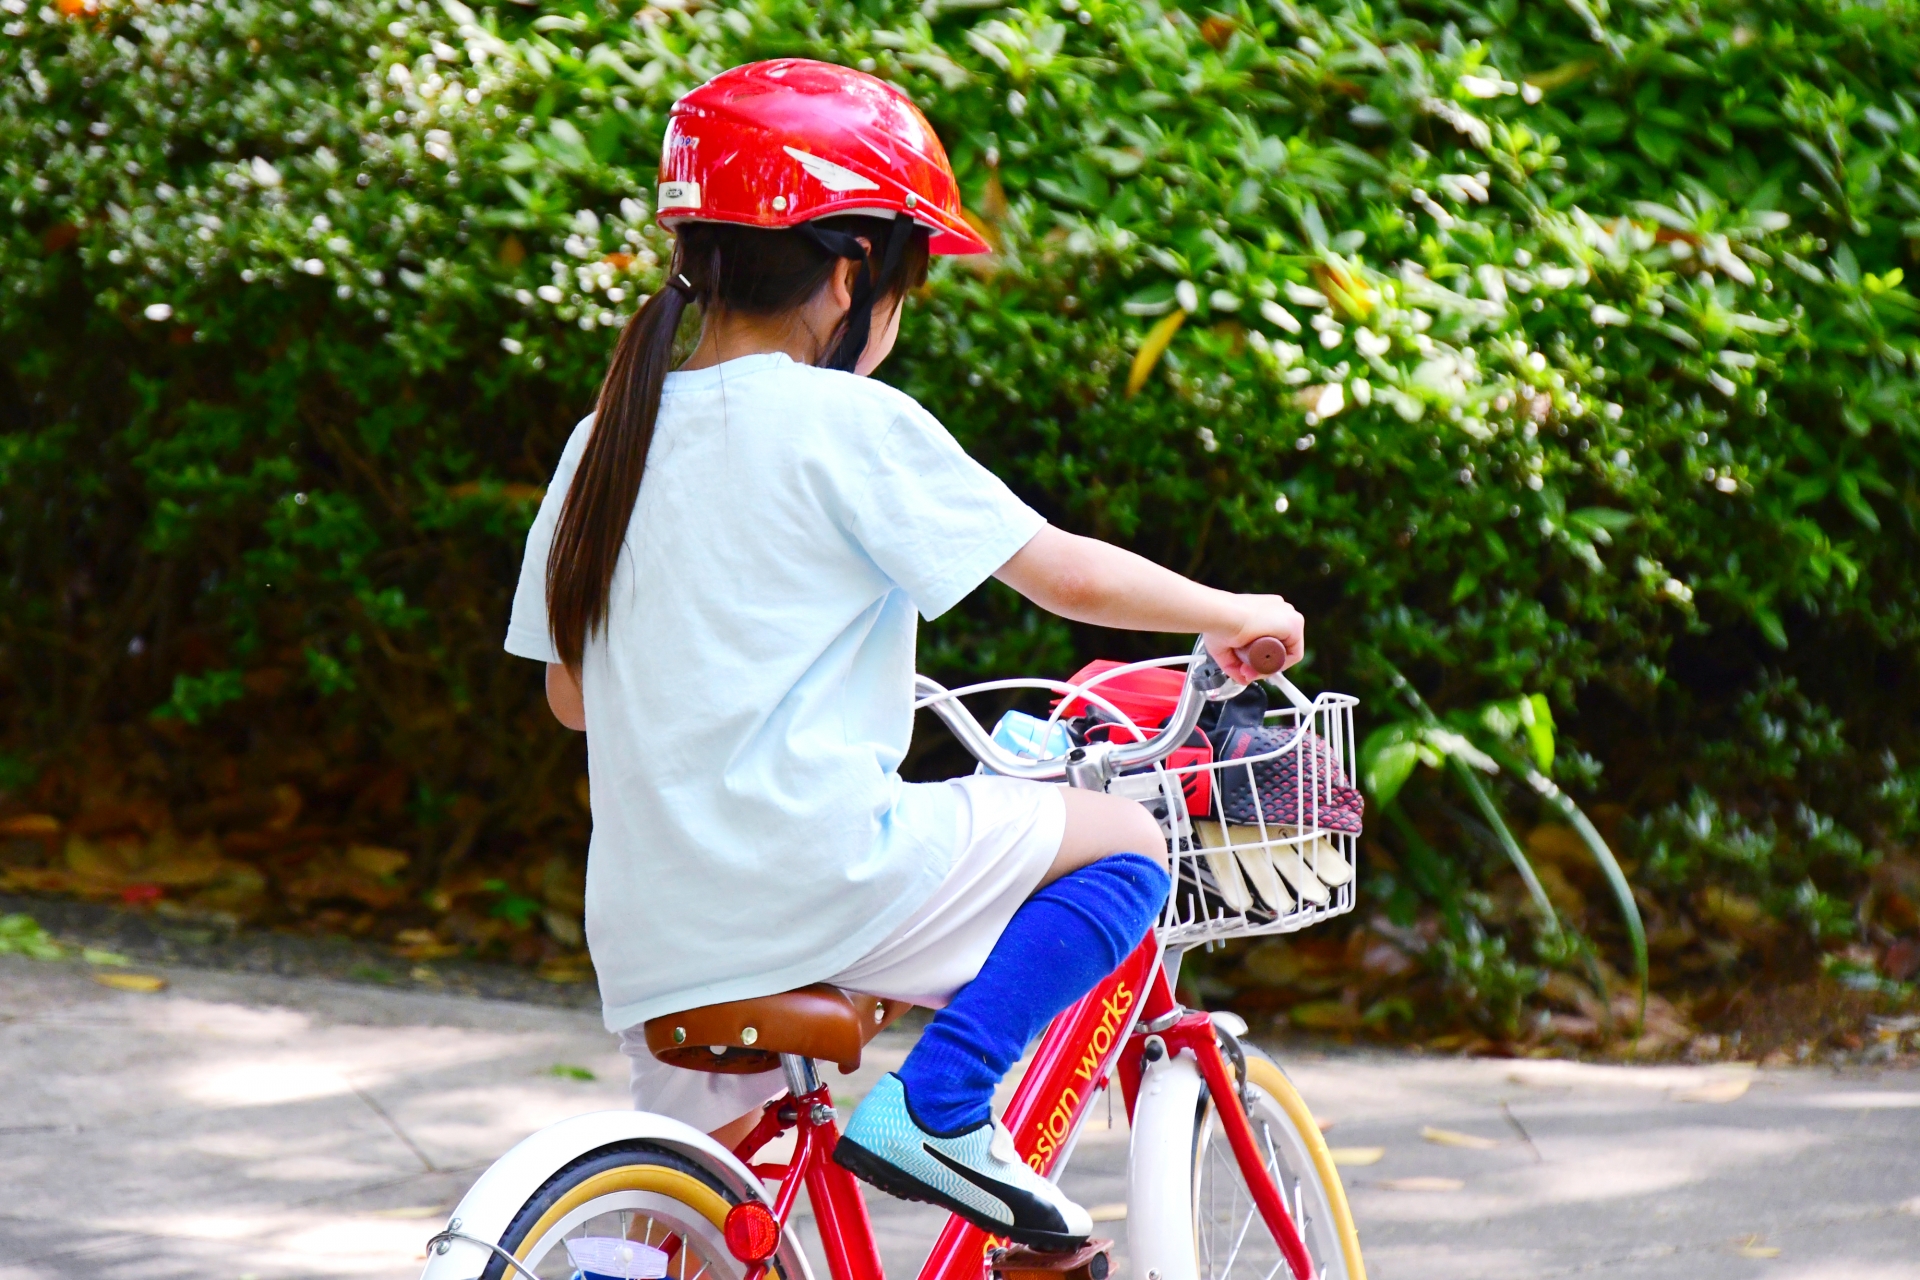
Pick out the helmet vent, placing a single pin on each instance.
(830, 175)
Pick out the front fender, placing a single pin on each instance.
(491, 1203)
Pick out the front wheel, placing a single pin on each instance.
(634, 1191)
(1190, 1215)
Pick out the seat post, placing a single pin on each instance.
(801, 1078)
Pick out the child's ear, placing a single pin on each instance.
(840, 283)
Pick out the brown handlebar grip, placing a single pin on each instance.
(1266, 655)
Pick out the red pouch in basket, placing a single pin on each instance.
(1147, 696)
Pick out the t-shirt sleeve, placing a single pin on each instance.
(528, 633)
(934, 520)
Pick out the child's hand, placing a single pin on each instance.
(1264, 616)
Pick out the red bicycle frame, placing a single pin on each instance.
(1104, 1036)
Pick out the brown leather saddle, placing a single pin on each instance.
(743, 1036)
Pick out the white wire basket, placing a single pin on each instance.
(1262, 844)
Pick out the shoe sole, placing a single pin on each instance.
(897, 1182)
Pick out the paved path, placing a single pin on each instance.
(240, 1126)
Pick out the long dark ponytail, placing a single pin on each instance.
(722, 268)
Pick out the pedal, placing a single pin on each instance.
(1017, 1262)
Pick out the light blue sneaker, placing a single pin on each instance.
(976, 1174)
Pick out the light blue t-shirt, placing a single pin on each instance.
(750, 700)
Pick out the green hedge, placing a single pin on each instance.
(1532, 349)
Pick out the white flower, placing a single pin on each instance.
(340, 244)
(1362, 392)
(1207, 440)
(1726, 484)
(1280, 504)
(314, 267)
(632, 210)
(1487, 86)
(1301, 296)
(1371, 343)
(511, 346)
(1278, 316)
(1186, 297)
(158, 311)
(1221, 300)
(1604, 314)
(263, 173)
(1331, 399)
(1331, 336)
(550, 293)
(1678, 590)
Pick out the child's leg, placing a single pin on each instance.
(926, 1133)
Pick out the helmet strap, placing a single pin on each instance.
(853, 338)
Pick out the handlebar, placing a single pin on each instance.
(1092, 766)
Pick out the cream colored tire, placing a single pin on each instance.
(635, 1190)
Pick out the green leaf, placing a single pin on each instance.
(1387, 760)
(1539, 722)
(1657, 144)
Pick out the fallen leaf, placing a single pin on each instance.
(1725, 1090)
(98, 955)
(375, 860)
(21, 935)
(408, 1211)
(1454, 1138)
(1420, 1184)
(1357, 1155)
(567, 1071)
(145, 982)
(1108, 1213)
(1752, 1248)
(30, 825)
(1324, 1123)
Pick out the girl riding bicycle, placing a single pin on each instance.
(723, 580)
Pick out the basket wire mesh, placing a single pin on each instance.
(1240, 879)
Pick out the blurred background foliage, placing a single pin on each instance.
(1555, 358)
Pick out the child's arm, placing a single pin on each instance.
(563, 696)
(1087, 580)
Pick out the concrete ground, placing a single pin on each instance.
(238, 1125)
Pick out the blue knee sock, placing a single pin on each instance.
(1058, 946)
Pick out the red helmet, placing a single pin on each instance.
(775, 144)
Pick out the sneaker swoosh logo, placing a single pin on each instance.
(977, 1178)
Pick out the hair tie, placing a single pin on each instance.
(682, 286)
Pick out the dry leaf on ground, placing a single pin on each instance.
(1357, 1155)
(1108, 1213)
(1725, 1090)
(1752, 1248)
(1454, 1138)
(1420, 1184)
(146, 982)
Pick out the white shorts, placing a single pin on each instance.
(1010, 833)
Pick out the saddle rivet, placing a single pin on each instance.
(913, 200)
(679, 1035)
(749, 1035)
(879, 1013)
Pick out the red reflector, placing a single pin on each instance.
(752, 1233)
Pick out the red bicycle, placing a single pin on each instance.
(1228, 1174)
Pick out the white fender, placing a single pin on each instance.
(490, 1204)
(1160, 1171)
